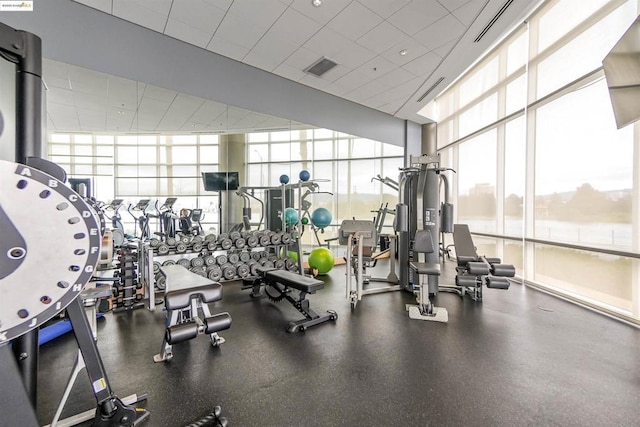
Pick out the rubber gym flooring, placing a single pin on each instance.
(520, 358)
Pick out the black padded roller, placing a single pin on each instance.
(464, 260)
(181, 333)
(503, 270)
(467, 281)
(497, 283)
(478, 268)
(216, 323)
(181, 299)
(493, 260)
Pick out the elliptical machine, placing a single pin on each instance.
(141, 221)
(166, 218)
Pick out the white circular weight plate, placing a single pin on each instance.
(57, 249)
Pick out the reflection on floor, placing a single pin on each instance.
(519, 358)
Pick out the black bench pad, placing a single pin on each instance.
(292, 280)
(429, 268)
(175, 300)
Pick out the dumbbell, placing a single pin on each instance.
(252, 241)
(286, 238)
(209, 260)
(161, 281)
(253, 267)
(163, 249)
(197, 261)
(168, 262)
(290, 265)
(196, 247)
(221, 259)
(171, 241)
(240, 243)
(156, 266)
(242, 270)
(181, 247)
(276, 238)
(228, 271)
(245, 257)
(233, 258)
(225, 243)
(184, 262)
(255, 255)
(184, 238)
(279, 264)
(212, 245)
(197, 239)
(214, 273)
(200, 271)
(154, 242)
(235, 235)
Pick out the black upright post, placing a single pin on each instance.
(25, 50)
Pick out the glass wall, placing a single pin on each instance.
(541, 165)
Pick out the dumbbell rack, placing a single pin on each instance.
(127, 290)
(223, 258)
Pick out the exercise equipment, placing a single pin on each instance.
(321, 259)
(425, 310)
(321, 217)
(290, 216)
(360, 236)
(166, 218)
(185, 293)
(115, 218)
(278, 285)
(54, 280)
(304, 175)
(141, 221)
(474, 271)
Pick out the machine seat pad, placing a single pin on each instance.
(176, 300)
(429, 268)
(290, 279)
(478, 268)
(503, 270)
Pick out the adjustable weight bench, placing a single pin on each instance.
(473, 270)
(278, 285)
(185, 292)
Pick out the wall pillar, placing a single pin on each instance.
(232, 149)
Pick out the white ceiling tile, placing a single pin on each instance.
(220, 4)
(392, 107)
(294, 27)
(159, 94)
(88, 82)
(452, 5)
(240, 31)
(263, 12)
(88, 100)
(441, 32)
(417, 15)
(302, 58)
(381, 38)
(336, 89)
(406, 89)
(445, 49)
(62, 83)
(122, 93)
(353, 55)
(148, 13)
(336, 72)
(63, 116)
(262, 61)
(424, 65)
(188, 34)
(468, 13)
(322, 14)
(353, 80)
(208, 112)
(377, 67)
(313, 81)
(354, 21)
(326, 42)
(275, 47)
(384, 8)
(103, 5)
(198, 14)
(414, 50)
(92, 119)
(60, 95)
(396, 77)
(288, 72)
(55, 69)
(227, 48)
(358, 96)
(374, 88)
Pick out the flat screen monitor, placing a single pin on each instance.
(220, 181)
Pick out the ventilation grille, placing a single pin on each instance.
(493, 20)
(433, 86)
(272, 130)
(320, 67)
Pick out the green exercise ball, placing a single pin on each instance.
(290, 254)
(304, 221)
(321, 259)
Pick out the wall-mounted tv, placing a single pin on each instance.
(220, 181)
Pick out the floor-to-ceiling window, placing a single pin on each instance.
(546, 180)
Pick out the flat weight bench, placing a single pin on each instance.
(473, 270)
(278, 284)
(185, 292)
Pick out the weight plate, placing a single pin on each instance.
(290, 264)
(286, 238)
(265, 240)
(243, 270)
(163, 249)
(279, 264)
(197, 261)
(161, 282)
(264, 254)
(181, 248)
(253, 268)
(156, 266)
(268, 264)
(226, 244)
(171, 241)
(245, 256)
(276, 239)
(252, 241)
(233, 258)
(223, 236)
(196, 247)
(212, 246)
(235, 235)
(197, 239)
(184, 262)
(214, 274)
(221, 259)
(210, 238)
(240, 243)
(37, 212)
(185, 239)
(229, 272)
(209, 260)
(154, 243)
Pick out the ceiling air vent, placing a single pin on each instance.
(320, 67)
(433, 86)
(493, 21)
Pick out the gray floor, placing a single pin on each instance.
(519, 358)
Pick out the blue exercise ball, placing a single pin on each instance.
(321, 217)
(304, 175)
(290, 216)
(284, 179)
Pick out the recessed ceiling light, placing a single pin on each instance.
(403, 52)
(316, 3)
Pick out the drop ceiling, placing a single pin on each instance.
(389, 53)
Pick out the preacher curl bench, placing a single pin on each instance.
(185, 292)
(278, 285)
(475, 271)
